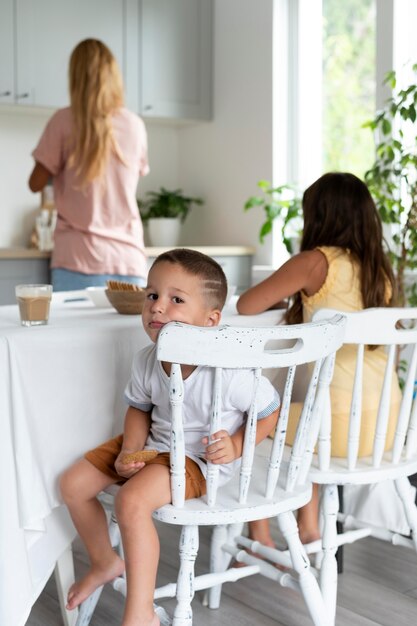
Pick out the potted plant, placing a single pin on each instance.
(279, 202)
(163, 212)
(392, 181)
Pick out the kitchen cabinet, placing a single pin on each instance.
(46, 31)
(23, 267)
(6, 52)
(176, 51)
(163, 48)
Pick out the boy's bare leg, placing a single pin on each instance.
(308, 518)
(80, 485)
(139, 497)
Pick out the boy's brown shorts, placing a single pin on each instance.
(104, 456)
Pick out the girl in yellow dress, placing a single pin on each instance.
(341, 265)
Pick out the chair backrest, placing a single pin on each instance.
(225, 347)
(394, 328)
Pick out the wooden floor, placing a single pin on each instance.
(378, 586)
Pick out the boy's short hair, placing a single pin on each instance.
(199, 264)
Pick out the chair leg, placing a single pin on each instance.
(340, 527)
(308, 583)
(220, 560)
(406, 495)
(183, 615)
(218, 539)
(328, 571)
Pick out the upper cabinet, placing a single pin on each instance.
(46, 33)
(162, 46)
(176, 58)
(7, 95)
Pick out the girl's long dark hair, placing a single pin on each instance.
(339, 211)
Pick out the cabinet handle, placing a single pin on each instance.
(23, 95)
(5, 93)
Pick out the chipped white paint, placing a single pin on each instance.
(215, 426)
(177, 458)
(369, 327)
(262, 469)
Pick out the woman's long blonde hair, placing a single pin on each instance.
(96, 92)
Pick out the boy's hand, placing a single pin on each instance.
(126, 470)
(221, 449)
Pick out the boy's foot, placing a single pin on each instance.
(95, 577)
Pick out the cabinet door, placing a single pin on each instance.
(176, 58)
(6, 52)
(47, 32)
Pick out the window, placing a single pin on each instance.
(349, 84)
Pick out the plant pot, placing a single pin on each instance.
(164, 231)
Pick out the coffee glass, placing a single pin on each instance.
(34, 301)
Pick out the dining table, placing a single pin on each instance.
(61, 393)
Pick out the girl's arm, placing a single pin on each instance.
(306, 271)
(39, 177)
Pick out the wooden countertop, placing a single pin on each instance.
(23, 253)
(33, 253)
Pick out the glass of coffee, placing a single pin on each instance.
(34, 301)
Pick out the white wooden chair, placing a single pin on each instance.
(265, 489)
(378, 326)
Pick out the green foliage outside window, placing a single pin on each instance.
(349, 57)
(392, 180)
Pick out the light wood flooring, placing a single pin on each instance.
(378, 586)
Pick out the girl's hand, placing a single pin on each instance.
(126, 470)
(221, 449)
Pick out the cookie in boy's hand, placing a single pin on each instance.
(139, 456)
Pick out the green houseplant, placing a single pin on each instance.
(164, 212)
(279, 202)
(392, 180)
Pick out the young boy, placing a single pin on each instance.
(184, 286)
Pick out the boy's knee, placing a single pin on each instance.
(70, 484)
(127, 506)
(66, 484)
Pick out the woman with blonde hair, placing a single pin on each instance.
(95, 151)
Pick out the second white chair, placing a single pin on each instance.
(388, 327)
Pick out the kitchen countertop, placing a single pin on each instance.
(23, 253)
(33, 253)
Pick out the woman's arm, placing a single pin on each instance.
(305, 271)
(39, 177)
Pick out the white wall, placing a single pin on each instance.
(221, 160)
(19, 133)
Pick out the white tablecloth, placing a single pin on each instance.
(61, 392)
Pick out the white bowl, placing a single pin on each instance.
(98, 296)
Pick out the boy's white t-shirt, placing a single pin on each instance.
(148, 390)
